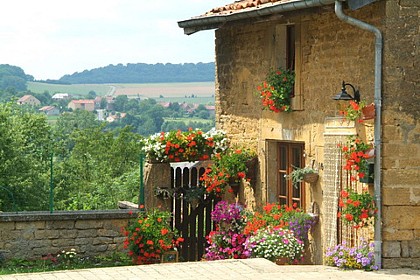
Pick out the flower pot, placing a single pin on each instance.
(252, 169)
(282, 261)
(370, 153)
(368, 178)
(310, 178)
(368, 112)
(234, 185)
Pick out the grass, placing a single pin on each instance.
(196, 100)
(187, 120)
(54, 263)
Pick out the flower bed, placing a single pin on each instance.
(277, 232)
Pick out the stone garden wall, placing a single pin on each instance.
(31, 235)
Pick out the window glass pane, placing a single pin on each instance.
(283, 201)
(296, 191)
(297, 156)
(283, 184)
(283, 157)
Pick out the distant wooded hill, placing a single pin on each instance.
(143, 73)
(13, 77)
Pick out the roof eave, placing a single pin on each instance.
(209, 22)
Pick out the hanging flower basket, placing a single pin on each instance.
(311, 178)
(368, 112)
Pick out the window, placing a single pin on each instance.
(282, 156)
(289, 155)
(287, 54)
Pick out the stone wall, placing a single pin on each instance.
(401, 136)
(31, 235)
(329, 51)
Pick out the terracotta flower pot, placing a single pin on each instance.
(368, 112)
(282, 261)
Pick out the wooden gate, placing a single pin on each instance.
(191, 209)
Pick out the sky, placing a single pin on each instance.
(50, 38)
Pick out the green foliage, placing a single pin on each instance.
(298, 173)
(100, 169)
(25, 146)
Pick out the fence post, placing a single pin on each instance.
(141, 191)
(51, 184)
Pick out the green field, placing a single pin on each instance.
(79, 90)
(172, 91)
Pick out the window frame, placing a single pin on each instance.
(290, 154)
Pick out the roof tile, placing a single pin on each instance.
(242, 5)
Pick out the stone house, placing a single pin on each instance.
(88, 105)
(50, 110)
(29, 100)
(370, 44)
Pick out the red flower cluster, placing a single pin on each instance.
(148, 236)
(274, 215)
(214, 180)
(276, 91)
(185, 146)
(356, 208)
(228, 167)
(176, 145)
(355, 154)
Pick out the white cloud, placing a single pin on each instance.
(49, 38)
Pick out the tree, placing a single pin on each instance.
(120, 103)
(25, 147)
(101, 169)
(91, 95)
(69, 122)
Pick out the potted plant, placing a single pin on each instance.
(228, 240)
(148, 236)
(358, 111)
(277, 245)
(275, 215)
(357, 209)
(276, 91)
(228, 169)
(356, 153)
(307, 174)
(347, 257)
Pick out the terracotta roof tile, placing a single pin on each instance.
(242, 5)
(84, 101)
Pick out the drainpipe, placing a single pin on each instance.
(377, 125)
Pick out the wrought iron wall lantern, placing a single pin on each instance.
(343, 95)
